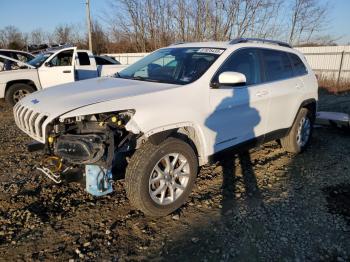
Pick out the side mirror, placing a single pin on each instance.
(231, 79)
(48, 64)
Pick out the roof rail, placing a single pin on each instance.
(246, 40)
(177, 43)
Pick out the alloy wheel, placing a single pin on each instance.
(169, 178)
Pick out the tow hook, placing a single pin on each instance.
(51, 167)
(47, 172)
(99, 180)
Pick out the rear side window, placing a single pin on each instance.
(102, 61)
(245, 61)
(83, 58)
(298, 65)
(277, 65)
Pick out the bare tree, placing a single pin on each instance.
(151, 24)
(146, 25)
(11, 37)
(307, 18)
(37, 37)
(266, 23)
(99, 38)
(181, 16)
(63, 34)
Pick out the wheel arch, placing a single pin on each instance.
(311, 105)
(20, 81)
(188, 133)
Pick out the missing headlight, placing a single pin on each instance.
(80, 149)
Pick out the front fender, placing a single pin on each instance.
(198, 139)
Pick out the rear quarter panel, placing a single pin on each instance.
(309, 90)
(18, 75)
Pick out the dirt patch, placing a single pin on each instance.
(265, 205)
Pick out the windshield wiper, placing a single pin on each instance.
(141, 78)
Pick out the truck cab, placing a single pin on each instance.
(51, 68)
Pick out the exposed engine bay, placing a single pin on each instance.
(88, 143)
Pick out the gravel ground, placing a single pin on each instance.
(263, 205)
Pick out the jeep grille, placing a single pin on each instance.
(30, 122)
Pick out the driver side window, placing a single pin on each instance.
(245, 61)
(64, 58)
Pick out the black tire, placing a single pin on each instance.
(139, 172)
(290, 142)
(12, 93)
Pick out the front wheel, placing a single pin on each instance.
(300, 134)
(16, 92)
(159, 178)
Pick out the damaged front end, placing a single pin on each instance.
(90, 144)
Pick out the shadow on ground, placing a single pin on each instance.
(289, 216)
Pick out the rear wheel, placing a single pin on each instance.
(159, 178)
(16, 92)
(300, 134)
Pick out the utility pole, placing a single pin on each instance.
(89, 23)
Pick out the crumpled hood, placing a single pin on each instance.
(57, 100)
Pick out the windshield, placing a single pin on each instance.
(173, 65)
(39, 59)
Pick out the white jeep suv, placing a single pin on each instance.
(170, 113)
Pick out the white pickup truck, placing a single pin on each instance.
(52, 68)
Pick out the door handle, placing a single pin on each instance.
(298, 86)
(262, 93)
(67, 71)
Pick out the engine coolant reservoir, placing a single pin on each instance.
(98, 180)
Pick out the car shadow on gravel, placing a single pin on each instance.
(293, 219)
(252, 191)
(208, 240)
(338, 199)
